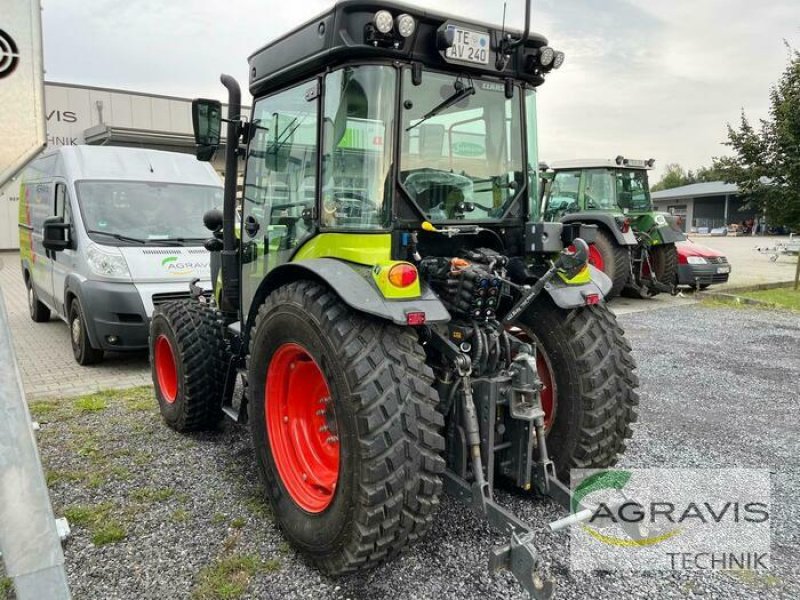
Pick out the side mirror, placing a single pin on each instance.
(207, 124)
(56, 234)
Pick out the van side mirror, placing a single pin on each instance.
(207, 124)
(56, 235)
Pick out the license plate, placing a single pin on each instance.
(721, 270)
(468, 46)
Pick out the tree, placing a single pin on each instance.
(766, 163)
(674, 176)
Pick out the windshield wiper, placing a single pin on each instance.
(455, 98)
(126, 238)
(118, 236)
(181, 240)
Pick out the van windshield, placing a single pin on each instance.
(117, 213)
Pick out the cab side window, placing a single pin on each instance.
(62, 208)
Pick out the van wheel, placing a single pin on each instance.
(82, 348)
(39, 312)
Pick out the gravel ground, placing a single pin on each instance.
(160, 515)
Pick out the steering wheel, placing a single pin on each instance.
(344, 201)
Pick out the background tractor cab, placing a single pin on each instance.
(635, 244)
(401, 318)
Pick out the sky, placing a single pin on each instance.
(644, 79)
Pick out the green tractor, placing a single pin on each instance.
(635, 245)
(401, 321)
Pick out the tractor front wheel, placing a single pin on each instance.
(344, 426)
(589, 384)
(187, 362)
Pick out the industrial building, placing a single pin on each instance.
(81, 114)
(706, 205)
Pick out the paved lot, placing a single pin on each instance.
(748, 266)
(181, 510)
(44, 354)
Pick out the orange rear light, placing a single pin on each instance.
(403, 275)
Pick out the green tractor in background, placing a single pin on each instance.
(398, 316)
(635, 245)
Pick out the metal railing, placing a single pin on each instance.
(29, 538)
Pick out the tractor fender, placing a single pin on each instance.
(605, 221)
(565, 295)
(670, 235)
(353, 284)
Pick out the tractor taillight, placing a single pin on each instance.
(592, 299)
(403, 275)
(415, 318)
(624, 225)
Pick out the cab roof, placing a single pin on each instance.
(340, 35)
(597, 163)
(120, 163)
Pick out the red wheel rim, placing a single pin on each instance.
(548, 393)
(301, 424)
(166, 372)
(596, 258)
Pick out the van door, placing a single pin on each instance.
(63, 263)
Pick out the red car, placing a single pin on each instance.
(700, 266)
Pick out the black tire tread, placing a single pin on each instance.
(607, 382)
(399, 428)
(198, 331)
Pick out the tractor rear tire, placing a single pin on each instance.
(664, 259)
(614, 260)
(187, 355)
(592, 374)
(357, 392)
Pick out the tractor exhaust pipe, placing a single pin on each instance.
(229, 259)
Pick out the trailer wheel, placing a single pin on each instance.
(38, 311)
(187, 363)
(343, 419)
(82, 349)
(611, 258)
(589, 394)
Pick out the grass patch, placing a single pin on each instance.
(271, 565)
(750, 577)
(238, 523)
(779, 297)
(258, 506)
(226, 578)
(152, 495)
(55, 477)
(93, 403)
(179, 516)
(97, 519)
(6, 585)
(44, 408)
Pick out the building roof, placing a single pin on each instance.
(696, 190)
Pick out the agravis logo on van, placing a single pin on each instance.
(176, 267)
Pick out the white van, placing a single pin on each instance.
(106, 233)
